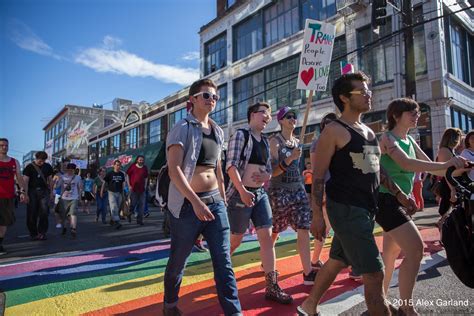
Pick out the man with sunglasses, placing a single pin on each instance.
(249, 167)
(290, 204)
(350, 151)
(196, 199)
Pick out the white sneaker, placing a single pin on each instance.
(59, 226)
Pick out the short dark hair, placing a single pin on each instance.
(343, 85)
(397, 107)
(197, 85)
(116, 160)
(71, 166)
(466, 140)
(41, 155)
(4, 140)
(254, 107)
(139, 156)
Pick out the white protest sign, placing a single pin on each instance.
(316, 55)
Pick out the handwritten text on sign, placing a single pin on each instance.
(316, 55)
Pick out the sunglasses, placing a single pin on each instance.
(367, 93)
(207, 96)
(291, 116)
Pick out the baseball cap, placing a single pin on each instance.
(284, 111)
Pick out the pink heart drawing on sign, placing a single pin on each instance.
(307, 75)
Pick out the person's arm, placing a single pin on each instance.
(80, 186)
(103, 185)
(324, 151)
(220, 180)
(390, 146)
(21, 182)
(127, 177)
(278, 167)
(175, 159)
(406, 201)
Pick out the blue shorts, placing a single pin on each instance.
(239, 214)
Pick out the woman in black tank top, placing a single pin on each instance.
(209, 150)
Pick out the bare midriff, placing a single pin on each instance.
(249, 171)
(204, 179)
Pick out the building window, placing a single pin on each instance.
(176, 116)
(65, 140)
(280, 83)
(378, 60)
(131, 118)
(461, 120)
(131, 138)
(219, 115)
(281, 20)
(103, 148)
(215, 52)
(247, 91)
(154, 130)
(317, 10)
(115, 144)
(248, 37)
(230, 3)
(459, 51)
(419, 41)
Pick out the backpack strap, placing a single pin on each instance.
(246, 140)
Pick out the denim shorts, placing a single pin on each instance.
(354, 242)
(239, 214)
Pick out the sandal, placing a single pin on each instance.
(301, 312)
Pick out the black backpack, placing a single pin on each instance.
(163, 180)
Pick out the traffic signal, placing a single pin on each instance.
(379, 12)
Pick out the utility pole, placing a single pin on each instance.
(410, 71)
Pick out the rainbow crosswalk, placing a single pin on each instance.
(128, 280)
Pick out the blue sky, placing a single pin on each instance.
(57, 52)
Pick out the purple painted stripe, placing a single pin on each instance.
(32, 266)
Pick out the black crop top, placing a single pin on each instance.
(209, 150)
(259, 154)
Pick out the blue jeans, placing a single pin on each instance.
(115, 200)
(102, 205)
(137, 204)
(184, 232)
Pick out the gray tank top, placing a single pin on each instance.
(291, 178)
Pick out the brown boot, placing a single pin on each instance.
(273, 291)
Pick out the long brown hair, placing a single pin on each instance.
(451, 138)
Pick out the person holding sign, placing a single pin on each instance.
(350, 151)
(290, 204)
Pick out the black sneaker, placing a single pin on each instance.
(118, 226)
(174, 311)
(64, 231)
(2, 250)
(199, 246)
(309, 278)
(146, 215)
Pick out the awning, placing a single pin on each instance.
(154, 157)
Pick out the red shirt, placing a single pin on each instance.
(7, 179)
(137, 177)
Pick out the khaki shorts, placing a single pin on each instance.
(354, 241)
(7, 212)
(68, 207)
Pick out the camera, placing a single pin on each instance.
(68, 187)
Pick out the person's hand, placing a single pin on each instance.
(24, 198)
(453, 197)
(248, 198)
(261, 176)
(318, 227)
(407, 202)
(295, 153)
(202, 212)
(458, 162)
